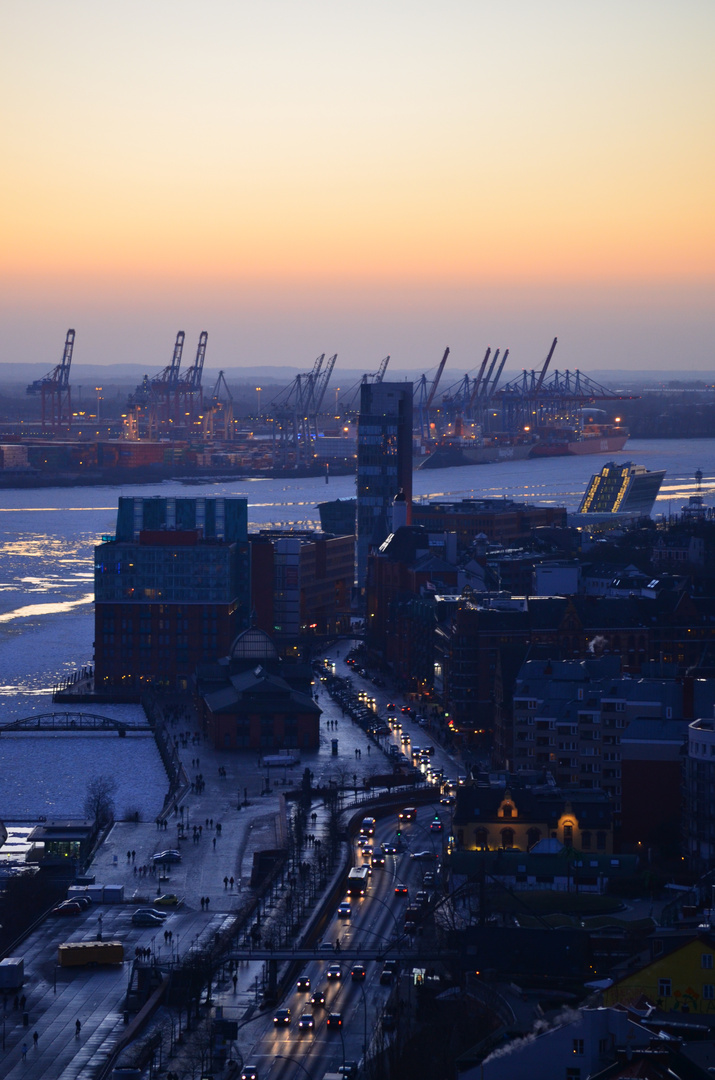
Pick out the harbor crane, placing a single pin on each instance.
(55, 391)
(189, 388)
(157, 397)
(220, 405)
(426, 396)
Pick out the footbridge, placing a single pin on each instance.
(80, 722)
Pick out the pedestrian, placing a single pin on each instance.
(230, 881)
(134, 855)
(24, 1051)
(207, 903)
(35, 1038)
(235, 982)
(129, 856)
(225, 885)
(201, 901)
(214, 843)
(77, 1029)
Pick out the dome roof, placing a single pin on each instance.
(253, 644)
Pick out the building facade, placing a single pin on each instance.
(171, 590)
(384, 465)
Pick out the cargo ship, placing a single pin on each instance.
(589, 438)
(455, 451)
(625, 489)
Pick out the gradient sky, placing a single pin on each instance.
(297, 176)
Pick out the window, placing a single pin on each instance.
(574, 1073)
(665, 988)
(578, 1047)
(706, 960)
(709, 991)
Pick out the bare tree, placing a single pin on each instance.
(99, 799)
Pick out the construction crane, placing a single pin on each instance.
(56, 392)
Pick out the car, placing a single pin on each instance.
(317, 999)
(306, 1022)
(67, 907)
(366, 851)
(421, 897)
(249, 1072)
(404, 739)
(82, 899)
(281, 1018)
(362, 840)
(334, 972)
(435, 826)
(429, 879)
(447, 800)
(150, 911)
(167, 900)
(348, 1069)
(378, 859)
(401, 890)
(389, 848)
(357, 972)
(391, 707)
(326, 946)
(429, 750)
(386, 976)
(408, 813)
(422, 722)
(146, 918)
(406, 709)
(344, 910)
(335, 1020)
(168, 856)
(423, 856)
(303, 983)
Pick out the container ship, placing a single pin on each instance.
(485, 450)
(591, 439)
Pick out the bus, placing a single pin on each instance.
(357, 880)
(82, 953)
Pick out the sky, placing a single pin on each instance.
(298, 177)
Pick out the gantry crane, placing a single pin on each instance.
(189, 389)
(220, 408)
(56, 392)
(426, 397)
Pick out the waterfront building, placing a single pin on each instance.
(301, 583)
(171, 590)
(252, 699)
(384, 465)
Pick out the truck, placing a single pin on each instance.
(83, 953)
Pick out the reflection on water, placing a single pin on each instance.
(46, 609)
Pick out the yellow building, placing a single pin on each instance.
(679, 978)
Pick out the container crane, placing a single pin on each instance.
(56, 392)
(189, 390)
(426, 397)
(221, 407)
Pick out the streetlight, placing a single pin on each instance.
(258, 391)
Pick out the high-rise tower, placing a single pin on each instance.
(384, 462)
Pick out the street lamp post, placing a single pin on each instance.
(258, 391)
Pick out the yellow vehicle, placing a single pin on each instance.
(82, 953)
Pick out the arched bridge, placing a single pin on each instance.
(80, 722)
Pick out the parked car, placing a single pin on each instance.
(281, 1018)
(169, 856)
(150, 911)
(67, 907)
(146, 918)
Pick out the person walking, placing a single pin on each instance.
(24, 1051)
(77, 1029)
(35, 1038)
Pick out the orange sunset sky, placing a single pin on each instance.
(297, 176)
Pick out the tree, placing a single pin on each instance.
(99, 799)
